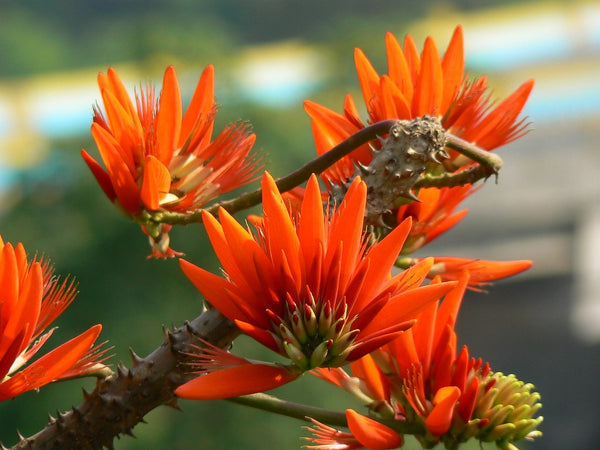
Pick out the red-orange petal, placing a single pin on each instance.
(168, 117)
(259, 334)
(453, 67)
(50, 366)
(411, 53)
(398, 67)
(201, 106)
(281, 236)
(382, 256)
(393, 101)
(367, 76)
(100, 174)
(368, 370)
(155, 184)
(407, 305)
(311, 228)
(372, 434)
(235, 381)
(430, 84)
(329, 127)
(215, 289)
(121, 177)
(439, 420)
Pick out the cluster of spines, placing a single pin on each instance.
(405, 155)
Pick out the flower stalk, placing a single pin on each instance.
(488, 164)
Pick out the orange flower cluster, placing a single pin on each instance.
(30, 299)
(159, 159)
(418, 85)
(419, 379)
(305, 280)
(307, 288)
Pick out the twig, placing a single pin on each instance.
(288, 182)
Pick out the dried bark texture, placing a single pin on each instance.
(120, 401)
(404, 157)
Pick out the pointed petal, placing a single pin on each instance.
(100, 174)
(116, 86)
(215, 289)
(242, 257)
(499, 127)
(398, 67)
(346, 229)
(235, 381)
(372, 340)
(423, 334)
(258, 334)
(311, 229)
(201, 106)
(453, 67)
(367, 76)
(372, 434)
(11, 353)
(439, 420)
(413, 60)
(280, 231)
(367, 369)
(122, 180)
(430, 83)
(168, 118)
(122, 129)
(382, 255)
(448, 310)
(394, 104)
(406, 306)
(50, 366)
(155, 184)
(329, 127)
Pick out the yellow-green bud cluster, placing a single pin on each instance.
(507, 409)
(314, 334)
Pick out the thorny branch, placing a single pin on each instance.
(121, 400)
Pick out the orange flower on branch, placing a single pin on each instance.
(31, 297)
(481, 272)
(419, 85)
(306, 287)
(418, 379)
(159, 159)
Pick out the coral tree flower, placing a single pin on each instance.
(30, 299)
(417, 85)
(364, 433)
(481, 271)
(158, 158)
(307, 287)
(420, 378)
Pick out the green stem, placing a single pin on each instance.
(317, 165)
(487, 159)
(304, 412)
(296, 410)
(468, 176)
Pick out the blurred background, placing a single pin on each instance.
(269, 56)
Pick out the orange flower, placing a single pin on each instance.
(31, 298)
(158, 158)
(481, 271)
(307, 288)
(364, 433)
(419, 379)
(419, 85)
